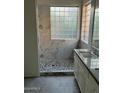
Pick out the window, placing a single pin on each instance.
(95, 39)
(64, 22)
(85, 22)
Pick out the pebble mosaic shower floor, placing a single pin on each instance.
(62, 66)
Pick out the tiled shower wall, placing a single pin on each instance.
(53, 50)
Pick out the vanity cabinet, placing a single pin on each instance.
(85, 80)
(91, 85)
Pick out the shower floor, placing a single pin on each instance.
(57, 66)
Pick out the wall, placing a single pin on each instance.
(53, 50)
(31, 68)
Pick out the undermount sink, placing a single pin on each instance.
(87, 54)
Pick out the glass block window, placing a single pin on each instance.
(64, 22)
(86, 11)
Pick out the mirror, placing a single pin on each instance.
(95, 38)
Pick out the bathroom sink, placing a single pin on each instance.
(87, 54)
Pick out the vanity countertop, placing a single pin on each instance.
(90, 60)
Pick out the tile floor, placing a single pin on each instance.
(51, 84)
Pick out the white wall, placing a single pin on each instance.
(31, 67)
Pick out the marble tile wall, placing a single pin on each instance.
(52, 50)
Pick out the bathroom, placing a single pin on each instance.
(66, 40)
(58, 53)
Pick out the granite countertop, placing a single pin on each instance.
(90, 60)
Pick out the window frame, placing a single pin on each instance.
(91, 25)
(82, 32)
(96, 4)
